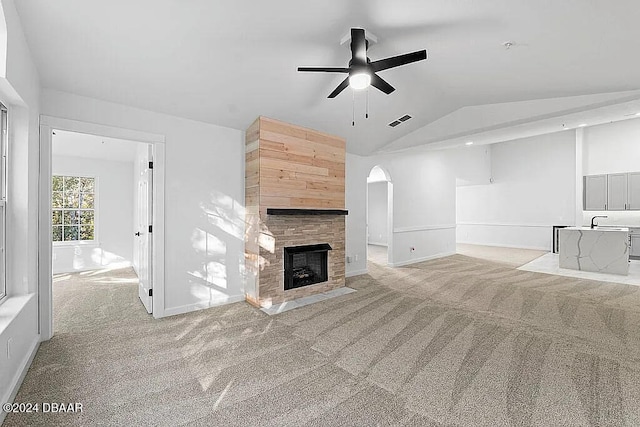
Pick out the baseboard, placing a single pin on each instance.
(201, 306)
(501, 245)
(385, 245)
(356, 273)
(422, 259)
(19, 377)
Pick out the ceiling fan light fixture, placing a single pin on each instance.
(359, 81)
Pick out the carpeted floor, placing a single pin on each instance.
(454, 341)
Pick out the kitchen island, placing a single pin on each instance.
(599, 249)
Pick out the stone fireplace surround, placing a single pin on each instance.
(286, 231)
(294, 196)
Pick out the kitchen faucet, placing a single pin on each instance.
(597, 216)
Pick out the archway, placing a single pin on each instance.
(379, 231)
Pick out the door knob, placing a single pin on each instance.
(138, 233)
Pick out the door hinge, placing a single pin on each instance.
(150, 165)
(151, 229)
(150, 292)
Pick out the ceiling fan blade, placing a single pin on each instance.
(324, 69)
(379, 83)
(358, 47)
(342, 86)
(396, 61)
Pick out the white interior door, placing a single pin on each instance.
(144, 234)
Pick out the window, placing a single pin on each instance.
(73, 203)
(4, 136)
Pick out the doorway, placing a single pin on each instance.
(379, 216)
(101, 221)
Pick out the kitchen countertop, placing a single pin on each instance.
(599, 228)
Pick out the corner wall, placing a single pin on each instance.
(533, 189)
(612, 148)
(424, 197)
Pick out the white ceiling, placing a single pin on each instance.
(228, 62)
(93, 147)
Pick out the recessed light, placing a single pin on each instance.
(637, 114)
(468, 143)
(581, 125)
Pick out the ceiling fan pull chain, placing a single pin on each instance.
(366, 114)
(353, 108)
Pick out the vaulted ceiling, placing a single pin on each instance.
(227, 62)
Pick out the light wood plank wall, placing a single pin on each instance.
(288, 166)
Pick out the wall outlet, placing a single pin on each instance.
(9, 341)
(355, 257)
(412, 249)
(348, 260)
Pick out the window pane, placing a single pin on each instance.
(86, 232)
(71, 183)
(56, 199)
(86, 217)
(56, 184)
(71, 200)
(87, 201)
(70, 233)
(71, 217)
(87, 185)
(57, 218)
(57, 234)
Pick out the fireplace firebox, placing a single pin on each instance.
(305, 265)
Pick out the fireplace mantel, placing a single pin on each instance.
(284, 211)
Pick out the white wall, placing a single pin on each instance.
(611, 148)
(356, 172)
(204, 198)
(424, 196)
(18, 315)
(114, 216)
(377, 213)
(533, 189)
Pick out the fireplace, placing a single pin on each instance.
(305, 265)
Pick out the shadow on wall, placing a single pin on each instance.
(218, 244)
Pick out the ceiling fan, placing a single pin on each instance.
(362, 71)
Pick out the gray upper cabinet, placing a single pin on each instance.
(613, 192)
(595, 193)
(617, 192)
(633, 202)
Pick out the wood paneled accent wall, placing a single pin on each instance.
(290, 166)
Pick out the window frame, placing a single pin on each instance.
(4, 177)
(95, 241)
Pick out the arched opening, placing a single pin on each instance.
(379, 216)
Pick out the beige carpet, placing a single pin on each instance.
(454, 341)
(511, 256)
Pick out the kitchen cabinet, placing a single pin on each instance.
(633, 202)
(635, 246)
(617, 192)
(612, 192)
(595, 193)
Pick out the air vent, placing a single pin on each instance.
(400, 120)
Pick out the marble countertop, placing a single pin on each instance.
(602, 228)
